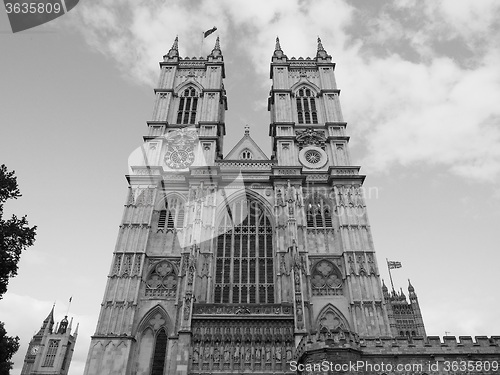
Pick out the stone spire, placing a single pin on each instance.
(278, 52)
(411, 289)
(174, 51)
(321, 53)
(384, 289)
(48, 323)
(402, 296)
(278, 47)
(216, 52)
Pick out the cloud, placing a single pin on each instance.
(421, 80)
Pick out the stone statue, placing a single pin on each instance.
(268, 354)
(236, 355)
(277, 354)
(216, 355)
(227, 354)
(248, 354)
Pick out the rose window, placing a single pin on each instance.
(179, 157)
(162, 281)
(313, 156)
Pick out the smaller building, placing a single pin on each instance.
(51, 348)
(405, 318)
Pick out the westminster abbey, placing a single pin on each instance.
(249, 264)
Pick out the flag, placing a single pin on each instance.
(208, 32)
(70, 298)
(393, 264)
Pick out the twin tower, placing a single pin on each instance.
(244, 263)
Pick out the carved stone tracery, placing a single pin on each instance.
(310, 137)
(326, 279)
(162, 280)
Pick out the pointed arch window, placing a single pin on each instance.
(188, 103)
(306, 106)
(160, 353)
(244, 255)
(172, 216)
(319, 213)
(51, 353)
(246, 154)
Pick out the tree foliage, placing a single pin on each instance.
(8, 346)
(15, 236)
(15, 233)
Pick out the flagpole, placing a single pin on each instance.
(390, 276)
(202, 39)
(69, 305)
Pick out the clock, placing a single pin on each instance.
(35, 349)
(179, 157)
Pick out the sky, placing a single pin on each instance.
(420, 90)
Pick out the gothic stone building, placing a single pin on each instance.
(51, 348)
(249, 264)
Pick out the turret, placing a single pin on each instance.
(416, 309)
(385, 291)
(321, 53)
(173, 53)
(63, 325)
(216, 53)
(278, 52)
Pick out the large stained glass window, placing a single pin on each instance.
(244, 255)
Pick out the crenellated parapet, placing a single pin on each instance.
(378, 348)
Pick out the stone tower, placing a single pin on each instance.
(50, 350)
(320, 194)
(405, 317)
(240, 264)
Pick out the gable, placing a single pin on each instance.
(245, 145)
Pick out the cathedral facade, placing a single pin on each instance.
(246, 263)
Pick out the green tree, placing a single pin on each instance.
(15, 236)
(8, 346)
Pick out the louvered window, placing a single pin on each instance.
(319, 212)
(162, 219)
(244, 255)
(172, 216)
(188, 103)
(306, 107)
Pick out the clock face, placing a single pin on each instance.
(180, 148)
(35, 349)
(179, 157)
